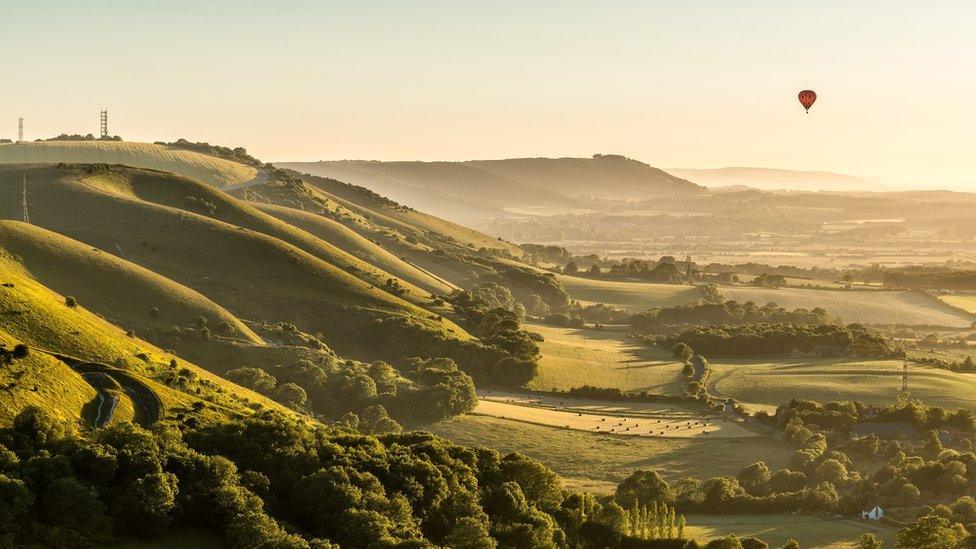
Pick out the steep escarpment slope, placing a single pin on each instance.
(254, 275)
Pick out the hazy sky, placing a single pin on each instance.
(690, 83)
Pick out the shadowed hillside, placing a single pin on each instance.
(468, 191)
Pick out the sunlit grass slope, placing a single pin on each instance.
(184, 193)
(632, 296)
(573, 358)
(771, 382)
(209, 169)
(33, 314)
(118, 290)
(253, 275)
(867, 306)
(358, 246)
(965, 302)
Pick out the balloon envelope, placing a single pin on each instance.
(807, 97)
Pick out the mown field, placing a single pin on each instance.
(602, 358)
(812, 532)
(633, 296)
(965, 302)
(599, 462)
(770, 382)
(208, 169)
(870, 307)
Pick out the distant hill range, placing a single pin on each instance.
(467, 191)
(775, 179)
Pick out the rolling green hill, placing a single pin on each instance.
(72, 268)
(865, 306)
(208, 169)
(252, 274)
(471, 192)
(32, 314)
(768, 383)
(353, 243)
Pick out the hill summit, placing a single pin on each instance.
(470, 191)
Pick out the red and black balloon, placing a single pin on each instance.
(807, 97)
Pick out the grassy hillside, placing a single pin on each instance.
(810, 531)
(205, 168)
(406, 219)
(358, 246)
(965, 302)
(599, 462)
(632, 296)
(120, 291)
(573, 358)
(252, 274)
(870, 307)
(769, 383)
(465, 190)
(604, 176)
(33, 314)
(447, 189)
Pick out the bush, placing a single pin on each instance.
(70, 301)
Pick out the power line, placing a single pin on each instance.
(25, 216)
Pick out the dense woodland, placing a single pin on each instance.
(784, 339)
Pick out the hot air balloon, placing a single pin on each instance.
(807, 97)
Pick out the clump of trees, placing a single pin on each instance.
(235, 154)
(485, 316)
(363, 394)
(725, 314)
(8, 356)
(270, 481)
(783, 339)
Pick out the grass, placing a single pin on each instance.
(255, 275)
(205, 168)
(33, 314)
(964, 302)
(358, 246)
(72, 268)
(812, 532)
(599, 462)
(602, 358)
(865, 306)
(632, 296)
(768, 383)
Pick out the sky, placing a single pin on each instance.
(677, 84)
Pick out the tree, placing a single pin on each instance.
(791, 544)
(868, 541)
(252, 378)
(643, 488)
(754, 543)
(470, 533)
(70, 301)
(730, 542)
(682, 352)
(928, 532)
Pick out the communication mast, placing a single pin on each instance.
(20, 130)
(104, 122)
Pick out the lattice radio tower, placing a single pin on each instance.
(20, 130)
(104, 120)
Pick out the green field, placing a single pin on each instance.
(866, 306)
(812, 532)
(633, 296)
(964, 302)
(602, 358)
(599, 462)
(208, 169)
(770, 382)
